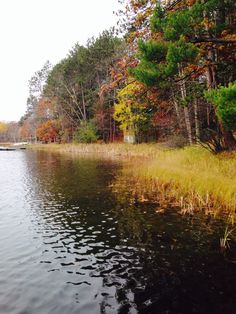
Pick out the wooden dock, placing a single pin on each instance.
(6, 148)
(2, 148)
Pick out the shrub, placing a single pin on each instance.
(224, 99)
(176, 141)
(87, 133)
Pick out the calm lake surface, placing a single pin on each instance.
(72, 243)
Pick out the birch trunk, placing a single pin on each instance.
(176, 106)
(197, 129)
(186, 111)
(188, 125)
(83, 103)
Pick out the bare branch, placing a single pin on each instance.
(213, 40)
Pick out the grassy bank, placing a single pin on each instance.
(191, 178)
(112, 150)
(194, 179)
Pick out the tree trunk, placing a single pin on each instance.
(114, 130)
(188, 125)
(176, 106)
(229, 140)
(208, 114)
(197, 129)
(83, 102)
(210, 56)
(110, 128)
(186, 111)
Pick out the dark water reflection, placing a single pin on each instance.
(70, 243)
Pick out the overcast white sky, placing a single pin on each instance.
(34, 31)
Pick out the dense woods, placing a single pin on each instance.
(167, 74)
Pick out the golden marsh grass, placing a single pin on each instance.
(191, 178)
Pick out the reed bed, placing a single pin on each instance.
(116, 149)
(191, 178)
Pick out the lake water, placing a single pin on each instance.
(72, 243)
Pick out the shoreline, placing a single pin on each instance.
(192, 178)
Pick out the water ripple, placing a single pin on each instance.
(67, 247)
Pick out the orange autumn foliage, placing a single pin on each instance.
(49, 131)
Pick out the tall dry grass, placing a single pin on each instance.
(192, 177)
(196, 177)
(116, 149)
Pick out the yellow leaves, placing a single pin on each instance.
(225, 33)
(207, 24)
(228, 36)
(131, 90)
(129, 111)
(3, 127)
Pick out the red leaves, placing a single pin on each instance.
(162, 119)
(48, 131)
(118, 75)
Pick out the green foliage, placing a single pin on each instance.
(177, 24)
(188, 22)
(174, 24)
(224, 99)
(76, 80)
(179, 52)
(158, 18)
(159, 61)
(149, 73)
(152, 50)
(151, 70)
(87, 133)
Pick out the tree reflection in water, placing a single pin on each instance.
(127, 255)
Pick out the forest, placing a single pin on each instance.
(166, 73)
